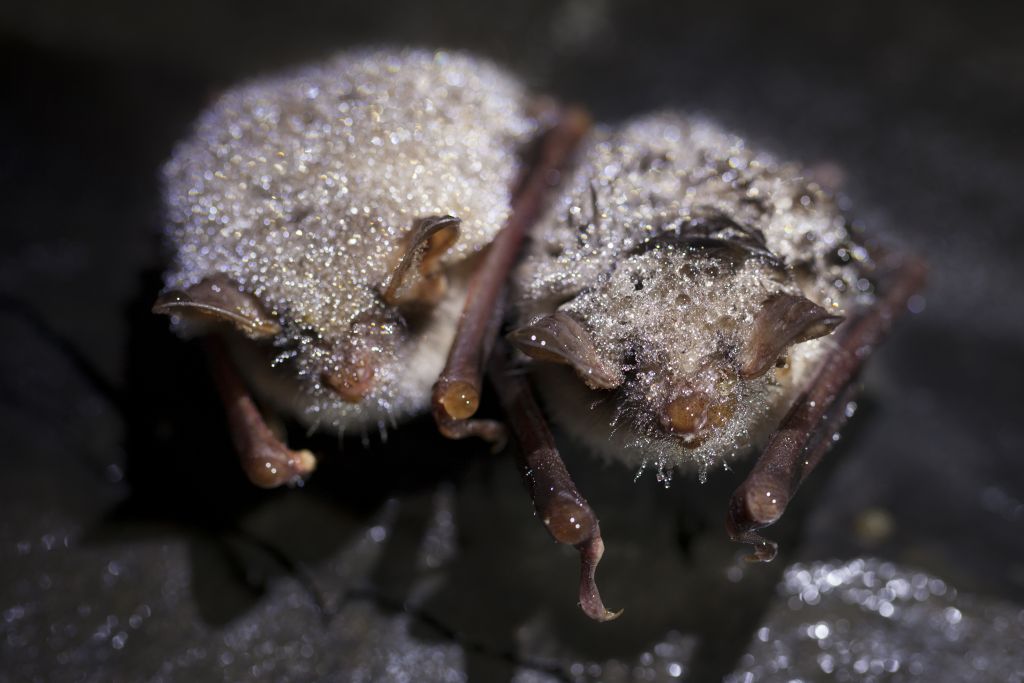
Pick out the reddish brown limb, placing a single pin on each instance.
(267, 462)
(456, 395)
(457, 400)
(805, 433)
(564, 511)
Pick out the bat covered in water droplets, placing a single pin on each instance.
(342, 235)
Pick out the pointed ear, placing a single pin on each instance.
(423, 248)
(218, 299)
(784, 320)
(558, 338)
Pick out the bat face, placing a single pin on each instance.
(683, 278)
(329, 215)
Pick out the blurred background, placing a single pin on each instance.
(132, 548)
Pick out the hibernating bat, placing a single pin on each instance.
(324, 225)
(683, 300)
(340, 231)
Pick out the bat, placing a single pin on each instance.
(344, 236)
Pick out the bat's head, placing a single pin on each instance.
(690, 339)
(321, 203)
(338, 346)
(341, 362)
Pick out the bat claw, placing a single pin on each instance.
(591, 551)
(764, 550)
(491, 431)
(741, 529)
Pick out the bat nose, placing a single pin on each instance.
(686, 414)
(694, 416)
(353, 379)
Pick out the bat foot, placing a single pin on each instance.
(764, 550)
(276, 465)
(591, 551)
(742, 530)
(491, 431)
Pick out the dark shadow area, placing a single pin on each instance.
(184, 478)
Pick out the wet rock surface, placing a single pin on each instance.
(131, 547)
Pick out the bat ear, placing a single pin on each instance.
(418, 278)
(558, 338)
(218, 299)
(783, 320)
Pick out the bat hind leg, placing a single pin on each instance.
(566, 514)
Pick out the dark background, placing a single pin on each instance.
(131, 548)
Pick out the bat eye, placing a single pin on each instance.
(558, 338)
(783, 320)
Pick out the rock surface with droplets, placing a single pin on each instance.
(665, 243)
(301, 187)
(870, 620)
